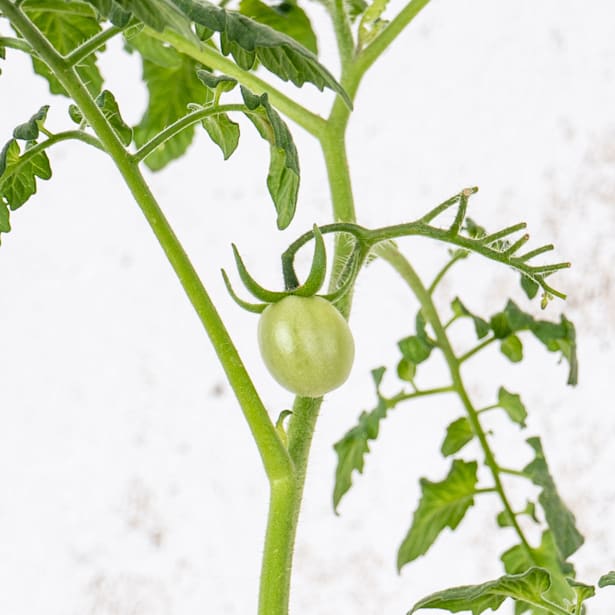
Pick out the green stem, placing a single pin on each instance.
(343, 31)
(393, 401)
(464, 357)
(211, 57)
(16, 43)
(181, 124)
(405, 269)
(444, 271)
(273, 453)
(86, 49)
(284, 510)
(77, 135)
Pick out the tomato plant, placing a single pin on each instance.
(199, 65)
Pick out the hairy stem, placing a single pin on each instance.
(181, 124)
(273, 453)
(86, 49)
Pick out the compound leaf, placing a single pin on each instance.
(442, 505)
(528, 587)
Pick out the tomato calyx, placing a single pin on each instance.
(310, 287)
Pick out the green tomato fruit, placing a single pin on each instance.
(306, 345)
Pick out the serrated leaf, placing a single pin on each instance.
(458, 434)
(529, 286)
(512, 348)
(166, 105)
(560, 519)
(414, 349)
(517, 560)
(481, 326)
(283, 176)
(442, 504)
(18, 173)
(582, 590)
(66, 24)
(247, 41)
(353, 447)
(528, 587)
(223, 132)
(286, 17)
(512, 404)
(607, 579)
(29, 131)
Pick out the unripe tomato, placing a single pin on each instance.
(306, 345)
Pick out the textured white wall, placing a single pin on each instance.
(129, 482)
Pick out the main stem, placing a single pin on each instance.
(276, 460)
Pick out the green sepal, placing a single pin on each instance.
(318, 270)
(255, 308)
(29, 131)
(252, 285)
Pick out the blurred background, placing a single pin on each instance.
(129, 481)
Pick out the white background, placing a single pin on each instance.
(129, 484)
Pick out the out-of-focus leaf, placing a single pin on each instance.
(442, 504)
(512, 404)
